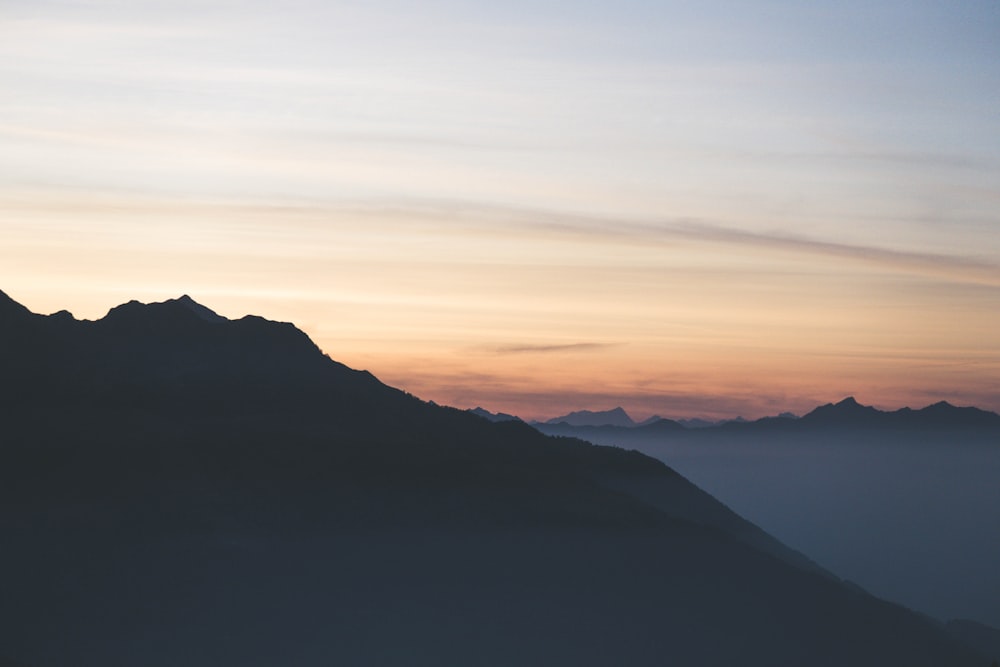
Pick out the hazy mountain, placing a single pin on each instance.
(494, 416)
(849, 414)
(844, 415)
(695, 422)
(613, 417)
(649, 420)
(178, 488)
(590, 433)
(704, 423)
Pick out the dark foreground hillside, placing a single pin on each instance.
(180, 489)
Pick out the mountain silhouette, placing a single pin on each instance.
(649, 420)
(650, 429)
(181, 488)
(845, 415)
(494, 416)
(848, 413)
(613, 417)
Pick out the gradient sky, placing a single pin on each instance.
(691, 209)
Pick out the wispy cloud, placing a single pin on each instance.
(568, 225)
(947, 266)
(566, 347)
(457, 217)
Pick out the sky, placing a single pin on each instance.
(688, 209)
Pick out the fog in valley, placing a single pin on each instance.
(913, 517)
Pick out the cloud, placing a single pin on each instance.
(539, 223)
(567, 347)
(947, 266)
(458, 217)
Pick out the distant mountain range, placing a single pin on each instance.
(178, 488)
(846, 414)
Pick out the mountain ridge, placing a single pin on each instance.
(229, 469)
(613, 417)
(846, 413)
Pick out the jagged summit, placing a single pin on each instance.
(849, 413)
(176, 350)
(198, 309)
(847, 405)
(182, 307)
(847, 409)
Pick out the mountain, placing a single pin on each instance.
(180, 488)
(494, 416)
(983, 638)
(849, 414)
(695, 422)
(649, 429)
(613, 417)
(704, 423)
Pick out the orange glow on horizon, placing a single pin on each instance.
(471, 309)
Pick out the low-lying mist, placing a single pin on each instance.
(910, 516)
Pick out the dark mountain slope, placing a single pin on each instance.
(983, 638)
(177, 488)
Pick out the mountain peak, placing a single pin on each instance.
(183, 307)
(613, 417)
(844, 412)
(201, 311)
(170, 351)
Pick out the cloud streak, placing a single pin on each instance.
(503, 220)
(946, 266)
(469, 218)
(544, 349)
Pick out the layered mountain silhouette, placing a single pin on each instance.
(181, 488)
(847, 414)
(588, 432)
